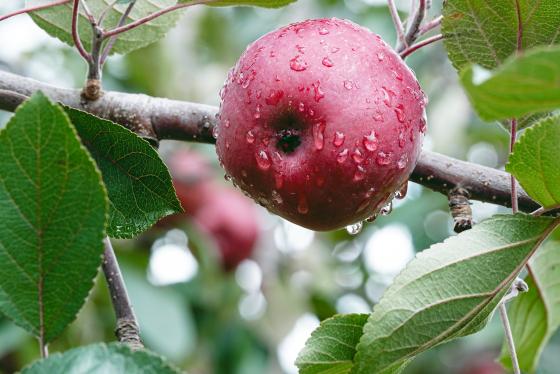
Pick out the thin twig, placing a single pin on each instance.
(113, 38)
(430, 25)
(127, 329)
(509, 338)
(105, 11)
(543, 210)
(88, 12)
(33, 9)
(413, 26)
(420, 44)
(75, 34)
(396, 21)
(152, 16)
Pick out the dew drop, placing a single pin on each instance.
(342, 156)
(323, 31)
(371, 218)
(401, 193)
(227, 177)
(272, 54)
(380, 56)
(355, 228)
(386, 209)
(386, 96)
(338, 139)
(348, 85)
(319, 94)
(319, 135)
(335, 49)
(215, 132)
(360, 174)
(250, 137)
(399, 111)
(402, 140)
(378, 116)
(327, 62)
(274, 97)
(303, 207)
(423, 126)
(263, 160)
(276, 197)
(298, 64)
(357, 156)
(311, 112)
(370, 141)
(301, 107)
(383, 158)
(398, 76)
(257, 114)
(403, 161)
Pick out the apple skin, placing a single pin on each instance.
(320, 122)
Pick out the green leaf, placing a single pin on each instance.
(534, 162)
(259, 3)
(522, 85)
(535, 315)
(449, 290)
(138, 182)
(332, 346)
(56, 21)
(102, 359)
(53, 208)
(484, 32)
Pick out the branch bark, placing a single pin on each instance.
(158, 118)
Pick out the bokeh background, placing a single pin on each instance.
(255, 317)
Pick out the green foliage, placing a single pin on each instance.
(522, 85)
(448, 291)
(53, 209)
(259, 3)
(332, 346)
(56, 21)
(534, 162)
(138, 182)
(102, 359)
(535, 315)
(485, 32)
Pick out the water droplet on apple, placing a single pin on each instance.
(298, 64)
(215, 132)
(423, 126)
(263, 160)
(272, 54)
(311, 112)
(357, 156)
(401, 193)
(338, 139)
(319, 135)
(380, 56)
(371, 218)
(274, 97)
(323, 31)
(402, 140)
(386, 209)
(319, 94)
(276, 197)
(386, 96)
(360, 174)
(383, 158)
(327, 62)
(342, 156)
(378, 116)
(250, 137)
(335, 49)
(301, 107)
(397, 75)
(227, 177)
(348, 85)
(355, 228)
(399, 111)
(403, 160)
(370, 141)
(303, 207)
(257, 114)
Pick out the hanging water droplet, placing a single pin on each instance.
(355, 228)
(215, 132)
(319, 94)
(371, 218)
(327, 62)
(360, 174)
(303, 207)
(250, 137)
(370, 141)
(276, 197)
(274, 97)
(399, 111)
(386, 209)
(319, 135)
(357, 156)
(401, 193)
(342, 156)
(383, 158)
(298, 64)
(323, 31)
(338, 139)
(263, 160)
(403, 161)
(227, 177)
(348, 85)
(423, 126)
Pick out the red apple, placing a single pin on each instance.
(321, 122)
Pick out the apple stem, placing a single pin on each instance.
(33, 9)
(75, 33)
(405, 53)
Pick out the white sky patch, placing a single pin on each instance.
(289, 237)
(352, 303)
(388, 250)
(252, 306)
(249, 276)
(289, 347)
(483, 153)
(171, 261)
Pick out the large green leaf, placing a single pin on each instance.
(53, 208)
(522, 85)
(484, 32)
(535, 315)
(332, 346)
(56, 21)
(102, 359)
(138, 182)
(259, 3)
(449, 290)
(534, 162)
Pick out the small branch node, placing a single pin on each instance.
(460, 208)
(518, 286)
(128, 332)
(92, 90)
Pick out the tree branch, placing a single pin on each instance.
(127, 330)
(33, 9)
(157, 118)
